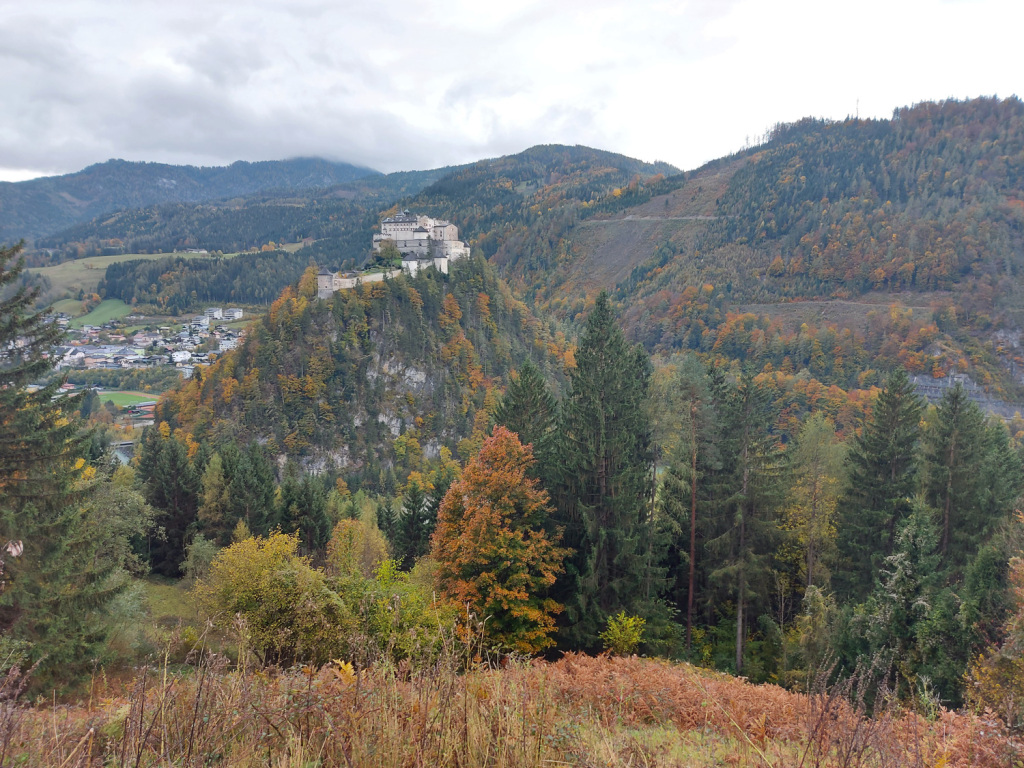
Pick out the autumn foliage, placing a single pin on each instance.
(492, 550)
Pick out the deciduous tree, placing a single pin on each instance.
(491, 546)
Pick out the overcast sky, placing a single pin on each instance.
(406, 85)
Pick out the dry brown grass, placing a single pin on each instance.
(578, 711)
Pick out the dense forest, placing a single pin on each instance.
(909, 226)
(175, 284)
(340, 218)
(485, 198)
(764, 524)
(337, 381)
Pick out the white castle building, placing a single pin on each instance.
(422, 241)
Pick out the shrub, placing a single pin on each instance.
(279, 607)
(399, 616)
(199, 556)
(624, 634)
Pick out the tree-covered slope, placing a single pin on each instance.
(922, 211)
(489, 200)
(373, 379)
(30, 209)
(492, 202)
(341, 218)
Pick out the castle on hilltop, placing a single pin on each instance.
(422, 241)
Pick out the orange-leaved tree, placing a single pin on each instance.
(491, 548)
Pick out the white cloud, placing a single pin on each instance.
(407, 84)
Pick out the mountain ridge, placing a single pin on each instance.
(38, 207)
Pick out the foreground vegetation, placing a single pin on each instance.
(579, 711)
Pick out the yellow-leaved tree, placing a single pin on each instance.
(817, 462)
(280, 607)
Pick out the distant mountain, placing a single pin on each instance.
(38, 207)
(485, 199)
(343, 215)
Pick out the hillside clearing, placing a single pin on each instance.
(577, 711)
(109, 309)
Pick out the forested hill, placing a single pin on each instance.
(487, 200)
(492, 198)
(924, 212)
(379, 378)
(30, 209)
(340, 218)
(846, 248)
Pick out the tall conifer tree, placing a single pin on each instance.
(959, 456)
(881, 482)
(606, 481)
(529, 410)
(54, 595)
(749, 527)
(172, 486)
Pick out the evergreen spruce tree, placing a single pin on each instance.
(302, 509)
(172, 485)
(967, 477)
(55, 595)
(744, 548)
(386, 522)
(251, 486)
(529, 409)
(414, 525)
(897, 614)
(882, 480)
(441, 478)
(605, 482)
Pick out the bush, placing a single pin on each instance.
(278, 606)
(624, 634)
(399, 616)
(199, 556)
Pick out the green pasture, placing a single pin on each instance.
(124, 399)
(109, 309)
(67, 306)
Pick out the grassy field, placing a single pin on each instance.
(168, 601)
(125, 399)
(86, 273)
(68, 306)
(106, 311)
